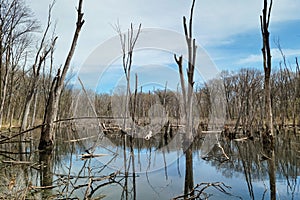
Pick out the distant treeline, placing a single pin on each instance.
(27, 77)
(243, 96)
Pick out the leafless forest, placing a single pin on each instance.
(38, 104)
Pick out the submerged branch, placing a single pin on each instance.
(198, 191)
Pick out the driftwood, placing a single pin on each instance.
(17, 162)
(241, 139)
(91, 180)
(223, 151)
(211, 131)
(80, 139)
(90, 155)
(13, 152)
(43, 187)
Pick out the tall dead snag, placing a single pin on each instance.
(266, 52)
(188, 96)
(46, 140)
(268, 134)
(127, 43)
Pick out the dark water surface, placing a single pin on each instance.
(155, 168)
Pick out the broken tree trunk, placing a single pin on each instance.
(266, 52)
(188, 96)
(46, 140)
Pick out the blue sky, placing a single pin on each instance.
(228, 30)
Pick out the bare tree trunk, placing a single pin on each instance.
(5, 82)
(12, 84)
(3, 95)
(35, 99)
(134, 103)
(182, 82)
(46, 140)
(266, 52)
(189, 175)
(127, 100)
(127, 43)
(272, 174)
(192, 48)
(11, 118)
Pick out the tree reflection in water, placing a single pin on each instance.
(189, 176)
(46, 173)
(262, 172)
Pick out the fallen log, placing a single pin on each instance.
(212, 131)
(17, 162)
(80, 139)
(90, 155)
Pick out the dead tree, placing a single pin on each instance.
(188, 96)
(46, 140)
(127, 43)
(267, 63)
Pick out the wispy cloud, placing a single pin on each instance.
(276, 56)
(215, 21)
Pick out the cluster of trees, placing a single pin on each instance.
(245, 103)
(33, 92)
(244, 100)
(17, 28)
(30, 86)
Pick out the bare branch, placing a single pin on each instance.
(79, 24)
(43, 38)
(185, 29)
(191, 18)
(269, 13)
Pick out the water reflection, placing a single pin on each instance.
(46, 173)
(155, 169)
(189, 175)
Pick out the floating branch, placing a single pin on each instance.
(90, 155)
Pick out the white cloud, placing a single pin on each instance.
(215, 22)
(276, 56)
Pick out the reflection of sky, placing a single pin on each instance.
(158, 182)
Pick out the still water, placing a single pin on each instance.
(158, 168)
